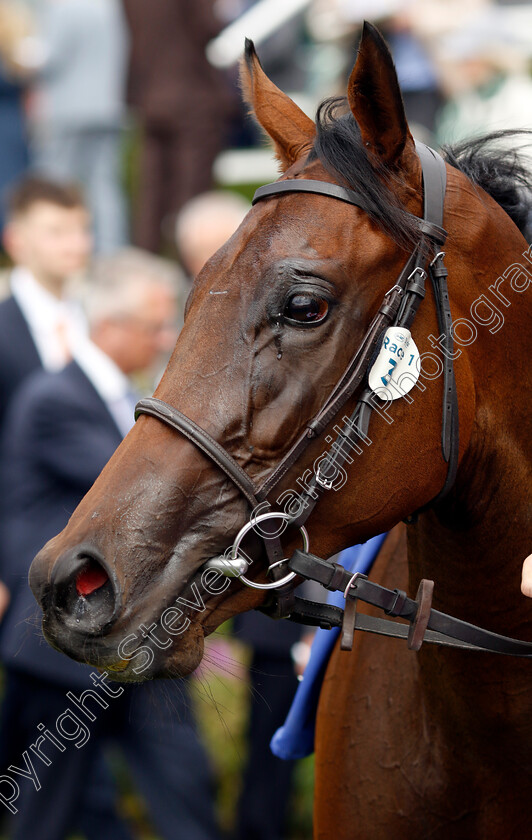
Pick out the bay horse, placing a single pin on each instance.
(409, 745)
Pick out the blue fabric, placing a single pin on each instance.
(415, 68)
(14, 157)
(295, 739)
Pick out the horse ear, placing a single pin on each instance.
(290, 129)
(375, 98)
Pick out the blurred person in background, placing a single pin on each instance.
(136, 264)
(46, 236)
(48, 239)
(78, 106)
(182, 104)
(15, 26)
(60, 431)
(203, 226)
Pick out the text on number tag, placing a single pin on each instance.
(396, 368)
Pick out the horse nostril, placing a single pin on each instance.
(91, 578)
(84, 594)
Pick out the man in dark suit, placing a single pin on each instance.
(60, 430)
(47, 236)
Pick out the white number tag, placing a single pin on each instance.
(396, 368)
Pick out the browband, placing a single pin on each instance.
(307, 185)
(310, 186)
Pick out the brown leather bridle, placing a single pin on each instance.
(398, 308)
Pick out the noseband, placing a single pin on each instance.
(398, 309)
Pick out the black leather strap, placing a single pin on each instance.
(434, 184)
(309, 186)
(326, 617)
(450, 426)
(427, 225)
(304, 611)
(210, 447)
(345, 388)
(442, 629)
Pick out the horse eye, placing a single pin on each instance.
(306, 309)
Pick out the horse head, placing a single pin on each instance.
(272, 323)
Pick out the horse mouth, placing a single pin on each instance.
(179, 659)
(167, 644)
(86, 616)
(153, 658)
(174, 645)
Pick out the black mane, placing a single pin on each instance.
(339, 147)
(501, 172)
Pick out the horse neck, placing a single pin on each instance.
(474, 543)
(474, 550)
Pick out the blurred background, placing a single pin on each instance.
(135, 104)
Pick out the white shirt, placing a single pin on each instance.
(56, 326)
(111, 384)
